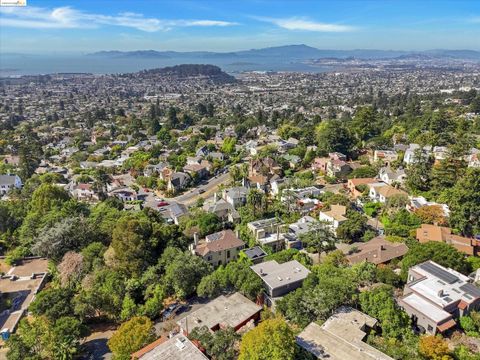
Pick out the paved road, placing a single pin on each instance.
(189, 197)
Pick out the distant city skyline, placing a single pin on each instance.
(87, 26)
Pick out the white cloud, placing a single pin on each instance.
(69, 18)
(303, 24)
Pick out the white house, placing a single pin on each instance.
(8, 182)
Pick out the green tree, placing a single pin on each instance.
(419, 172)
(464, 203)
(333, 136)
(319, 237)
(131, 336)
(221, 345)
(271, 340)
(52, 303)
(380, 304)
(354, 228)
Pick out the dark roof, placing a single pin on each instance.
(255, 252)
(440, 273)
(471, 289)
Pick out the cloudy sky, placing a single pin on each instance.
(45, 26)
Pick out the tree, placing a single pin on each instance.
(432, 214)
(354, 228)
(130, 243)
(442, 253)
(419, 172)
(131, 336)
(182, 272)
(434, 348)
(221, 345)
(333, 136)
(52, 303)
(319, 237)
(271, 340)
(464, 203)
(71, 233)
(40, 338)
(380, 304)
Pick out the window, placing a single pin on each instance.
(209, 257)
(430, 328)
(228, 254)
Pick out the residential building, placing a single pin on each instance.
(218, 248)
(334, 217)
(377, 251)
(420, 202)
(256, 254)
(223, 209)
(9, 182)
(410, 157)
(20, 285)
(435, 296)
(390, 176)
(268, 232)
(352, 185)
(302, 226)
(427, 232)
(178, 181)
(178, 347)
(236, 196)
(341, 337)
(385, 156)
(381, 192)
(233, 311)
(84, 192)
(280, 279)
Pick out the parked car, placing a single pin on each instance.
(201, 191)
(163, 203)
(169, 312)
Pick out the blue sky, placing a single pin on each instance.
(223, 25)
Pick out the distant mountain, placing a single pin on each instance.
(211, 72)
(290, 53)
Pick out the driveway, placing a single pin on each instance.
(95, 346)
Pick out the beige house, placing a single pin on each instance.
(334, 217)
(218, 248)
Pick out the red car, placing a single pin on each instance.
(162, 203)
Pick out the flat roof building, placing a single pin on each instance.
(179, 347)
(225, 311)
(341, 337)
(435, 296)
(280, 279)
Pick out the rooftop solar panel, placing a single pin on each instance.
(438, 272)
(471, 289)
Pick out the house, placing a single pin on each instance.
(390, 176)
(236, 196)
(410, 153)
(334, 217)
(280, 279)
(268, 232)
(385, 156)
(353, 184)
(434, 297)
(20, 285)
(124, 194)
(302, 226)
(300, 194)
(256, 254)
(338, 168)
(11, 160)
(427, 232)
(173, 212)
(202, 152)
(293, 160)
(233, 311)
(341, 337)
(224, 210)
(420, 202)
(178, 181)
(377, 251)
(201, 171)
(84, 192)
(178, 347)
(381, 192)
(218, 248)
(9, 182)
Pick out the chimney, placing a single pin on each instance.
(195, 239)
(440, 293)
(237, 233)
(215, 197)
